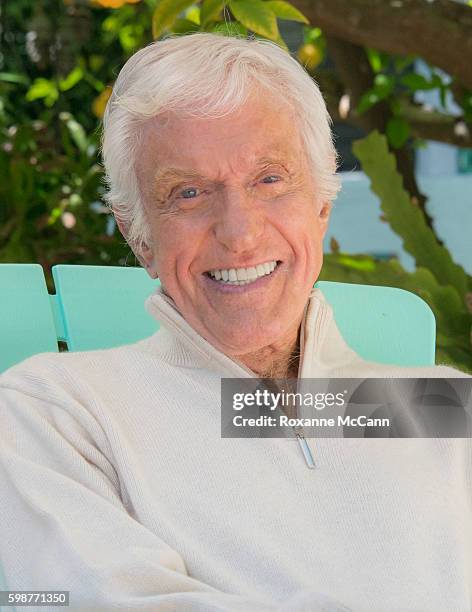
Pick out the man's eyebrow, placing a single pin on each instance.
(165, 176)
(169, 174)
(269, 161)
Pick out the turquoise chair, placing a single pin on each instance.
(103, 306)
(383, 324)
(27, 324)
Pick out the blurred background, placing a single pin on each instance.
(397, 79)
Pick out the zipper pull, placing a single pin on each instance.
(306, 451)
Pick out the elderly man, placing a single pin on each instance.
(115, 482)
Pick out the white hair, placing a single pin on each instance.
(205, 75)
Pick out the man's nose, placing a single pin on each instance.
(240, 223)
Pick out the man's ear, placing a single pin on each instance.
(324, 215)
(144, 253)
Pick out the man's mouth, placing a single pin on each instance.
(243, 276)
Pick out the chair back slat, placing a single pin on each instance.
(383, 324)
(26, 319)
(103, 306)
(57, 315)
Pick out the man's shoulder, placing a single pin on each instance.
(48, 363)
(75, 370)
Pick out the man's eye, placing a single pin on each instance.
(189, 194)
(271, 176)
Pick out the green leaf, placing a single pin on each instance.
(368, 100)
(166, 13)
(130, 36)
(312, 35)
(436, 80)
(383, 85)
(442, 95)
(193, 14)
(255, 16)
(401, 63)
(382, 88)
(366, 264)
(43, 89)
(96, 62)
(230, 28)
(210, 11)
(416, 82)
(284, 10)
(184, 26)
(467, 106)
(76, 131)
(10, 77)
(395, 106)
(398, 131)
(71, 79)
(281, 42)
(405, 219)
(378, 61)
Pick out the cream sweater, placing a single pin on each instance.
(116, 485)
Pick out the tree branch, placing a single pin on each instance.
(433, 125)
(356, 73)
(434, 31)
(424, 123)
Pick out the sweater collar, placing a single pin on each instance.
(178, 343)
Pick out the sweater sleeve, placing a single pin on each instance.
(63, 525)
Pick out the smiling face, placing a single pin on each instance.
(228, 200)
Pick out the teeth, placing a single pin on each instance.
(252, 274)
(243, 276)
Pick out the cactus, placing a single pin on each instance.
(442, 283)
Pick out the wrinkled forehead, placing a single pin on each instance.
(257, 134)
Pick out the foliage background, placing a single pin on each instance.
(58, 62)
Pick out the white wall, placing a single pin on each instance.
(356, 225)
